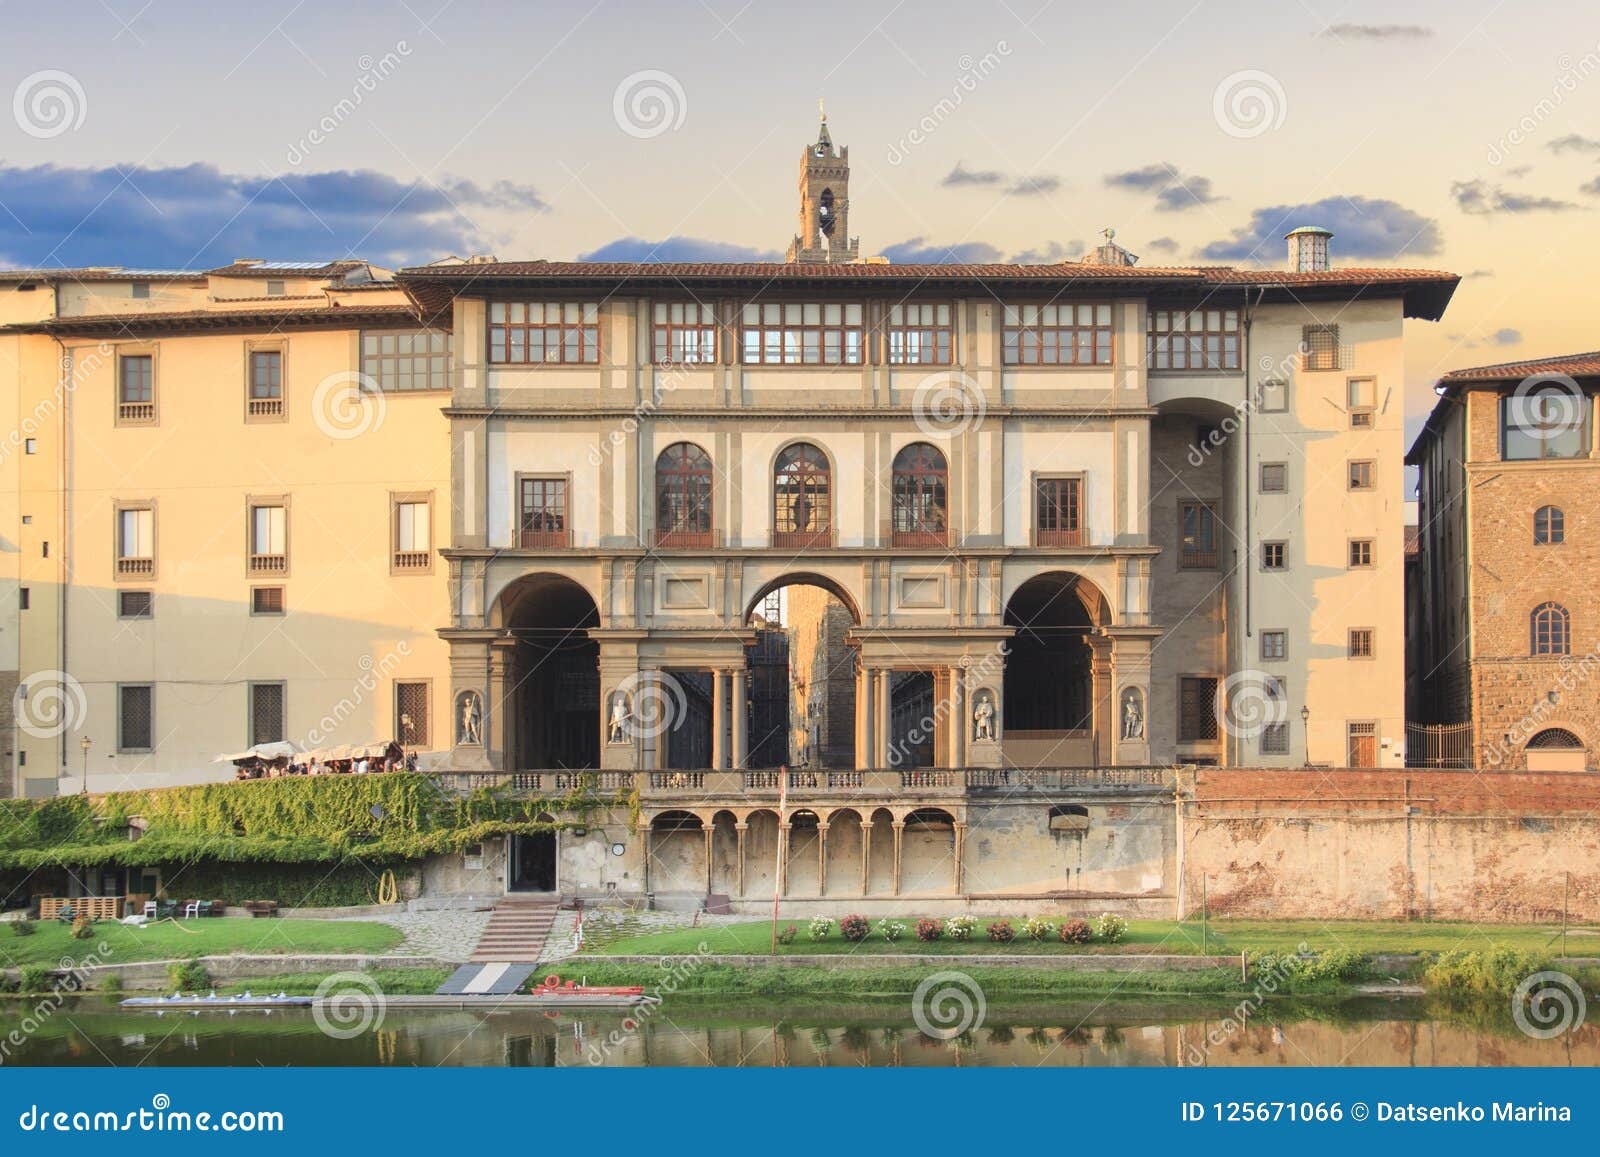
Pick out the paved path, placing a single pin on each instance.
(443, 933)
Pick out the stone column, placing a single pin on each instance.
(960, 849)
(864, 745)
(899, 839)
(739, 830)
(866, 856)
(881, 716)
(741, 719)
(499, 729)
(1102, 698)
(822, 858)
(958, 717)
(711, 835)
(783, 858)
(719, 719)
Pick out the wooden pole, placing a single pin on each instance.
(777, 867)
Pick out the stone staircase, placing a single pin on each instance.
(518, 927)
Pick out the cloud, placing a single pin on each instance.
(677, 249)
(196, 216)
(1049, 254)
(1481, 198)
(1505, 337)
(961, 176)
(1033, 186)
(1591, 187)
(1574, 143)
(917, 251)
(1364, 227)
(1479, 273)
(1174, 192)
(1163, 245)
(1375, 32)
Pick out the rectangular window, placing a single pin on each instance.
(792, 333)
(1064, 334)
(1360, 552)
(136, 541)
(685, 333)
(1272, 396)
(1319, 346)
(1362, 401)
(399, 363)
(1546, 423)
(1362, 744)
(1197, 532)
(1058, 512)
(1361, 642)
(266, 713)
(1199, 339)
(413, 534)
(266, 384)
(24, 598)
(921, 334)
(533, 333)
(139, 290)
(269, 539)
(1361, 475)
(1275, 739)
(266, 600)
(135, 604)
(135, 716)
(276, 289)
(1274, 477)
(1274, 555)
(1274, 644)
(542, 521)
(136, 389)
(1197, 709)
(411, 714)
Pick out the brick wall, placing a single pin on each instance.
(824, 667)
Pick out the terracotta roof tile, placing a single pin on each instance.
(219, 319)
(1573, 365)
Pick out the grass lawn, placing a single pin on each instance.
(1223, 937)
(211, 937)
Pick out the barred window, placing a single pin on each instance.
(1197, 709)
(266, 600)
(802, 333)
(544, 333)
(1274, 555)
(135, 604)
(1361, 642)
(921, 334)
(1199, 339)
(411, 714)
(266, 713)
(135, 716)
(1066, 334)
(1274, 477)
(685, 333)
(1319, 346)
(406, 362)
(1275, 739)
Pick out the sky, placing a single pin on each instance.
(1460, 136)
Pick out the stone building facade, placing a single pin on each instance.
(1510, 543)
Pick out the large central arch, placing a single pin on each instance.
(553, 677)
(1053, 701)
(802, 673)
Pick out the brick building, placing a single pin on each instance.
(1510, 512)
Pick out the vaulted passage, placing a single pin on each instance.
(1050, 692)
(554, 675)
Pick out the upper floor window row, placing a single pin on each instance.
(812, 333)
(544, 333)
(1548, 421)
(1198, 339)
(1057, 334)
(406, 361)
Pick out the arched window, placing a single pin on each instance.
(1556, 737)
(1551, 629)
(1549, 526)
(802, 498)
(683, 496)
(919, 490)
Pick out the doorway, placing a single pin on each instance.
(531, 866)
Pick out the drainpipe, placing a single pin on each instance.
(65, 366)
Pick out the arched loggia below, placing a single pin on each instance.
(552, 674)
(1057, 675)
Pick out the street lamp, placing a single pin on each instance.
(1305, 722)
(405, 726)
(85, 744)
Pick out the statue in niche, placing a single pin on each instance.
(983, 718)
(1132, 714)
(469, 731)
(621, 712)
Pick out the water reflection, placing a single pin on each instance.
(1352, 1033)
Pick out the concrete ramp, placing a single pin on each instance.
(495, 978)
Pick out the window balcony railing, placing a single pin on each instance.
(545, 539)
(1060, 537)
(265, 408)
(269, 563)
(136, 566)
(914, 538)
(412, 559)
(1197, 560)
(686, 539)
(136, 413)
(803, 539)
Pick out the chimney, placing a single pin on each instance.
(1308, 249)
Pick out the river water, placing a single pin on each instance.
(92, 1031)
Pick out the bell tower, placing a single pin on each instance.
(824, 236)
